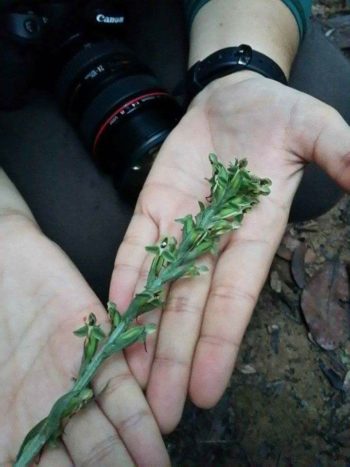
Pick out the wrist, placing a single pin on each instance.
(224, 82)
(229, 61)
(268, 27)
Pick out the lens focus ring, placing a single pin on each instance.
(111, 97)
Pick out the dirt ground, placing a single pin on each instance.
(288, 403)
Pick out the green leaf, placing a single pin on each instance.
(49, 429)
(235, 183)
(81, 332)
(35, 432)
(205, 246)
(150, 328)
(114, 314)
(90, 349)
(228, 212)
(188, 224)
(145, 295)
(168, 256)
(201, 206)
(97, 333)
(75, 402)
(149, 300)
(233, 192)
(242, 163)
(172, 244)
(213, 159)
(91, 321)
(153, 249)
(111, 308)
(221, 227)
(265, 184)
(132, 335)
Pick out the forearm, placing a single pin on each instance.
(268, 26)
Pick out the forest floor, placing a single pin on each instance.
(288, 403)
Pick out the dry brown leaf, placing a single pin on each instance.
(325, 303)
(287, 246)
(298, 265)
(344, 437)
(275, 282)
(346, 383)
(310, 256)
(339, 27)
(246, 369)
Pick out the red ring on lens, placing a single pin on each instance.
(120, 109)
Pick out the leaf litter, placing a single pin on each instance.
(325, 305)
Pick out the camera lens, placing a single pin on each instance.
(121, 111)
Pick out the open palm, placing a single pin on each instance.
(278, 130)
(43, 299)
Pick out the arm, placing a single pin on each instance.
(267, 26)
(43, 298)
(278, 130)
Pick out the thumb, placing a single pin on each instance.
(329, 145)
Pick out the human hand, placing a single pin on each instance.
(43, 298)
(278, 130)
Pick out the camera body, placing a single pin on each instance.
(38, 37)
(76, 49)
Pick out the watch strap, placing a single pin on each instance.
(230, 60)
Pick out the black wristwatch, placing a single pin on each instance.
(227, 61)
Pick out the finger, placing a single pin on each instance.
(181, 203)
(55, 457)
(130, 269)
(178, 334)
(239, 276)
(325, 139)
(92, 440)
(123, 423)
(123, 402)
(140, 356)
(141, 232)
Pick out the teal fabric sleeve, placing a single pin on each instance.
(301, 9)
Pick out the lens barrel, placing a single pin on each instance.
(122, 113)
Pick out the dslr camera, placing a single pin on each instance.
(76, 49)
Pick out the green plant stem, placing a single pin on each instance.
(36, 444)
(226, 202)
(112, 345)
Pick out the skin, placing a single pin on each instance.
(202, 326)
(242, 115)
(44, 298)
(278, 130)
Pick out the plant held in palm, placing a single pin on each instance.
(233, 191)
